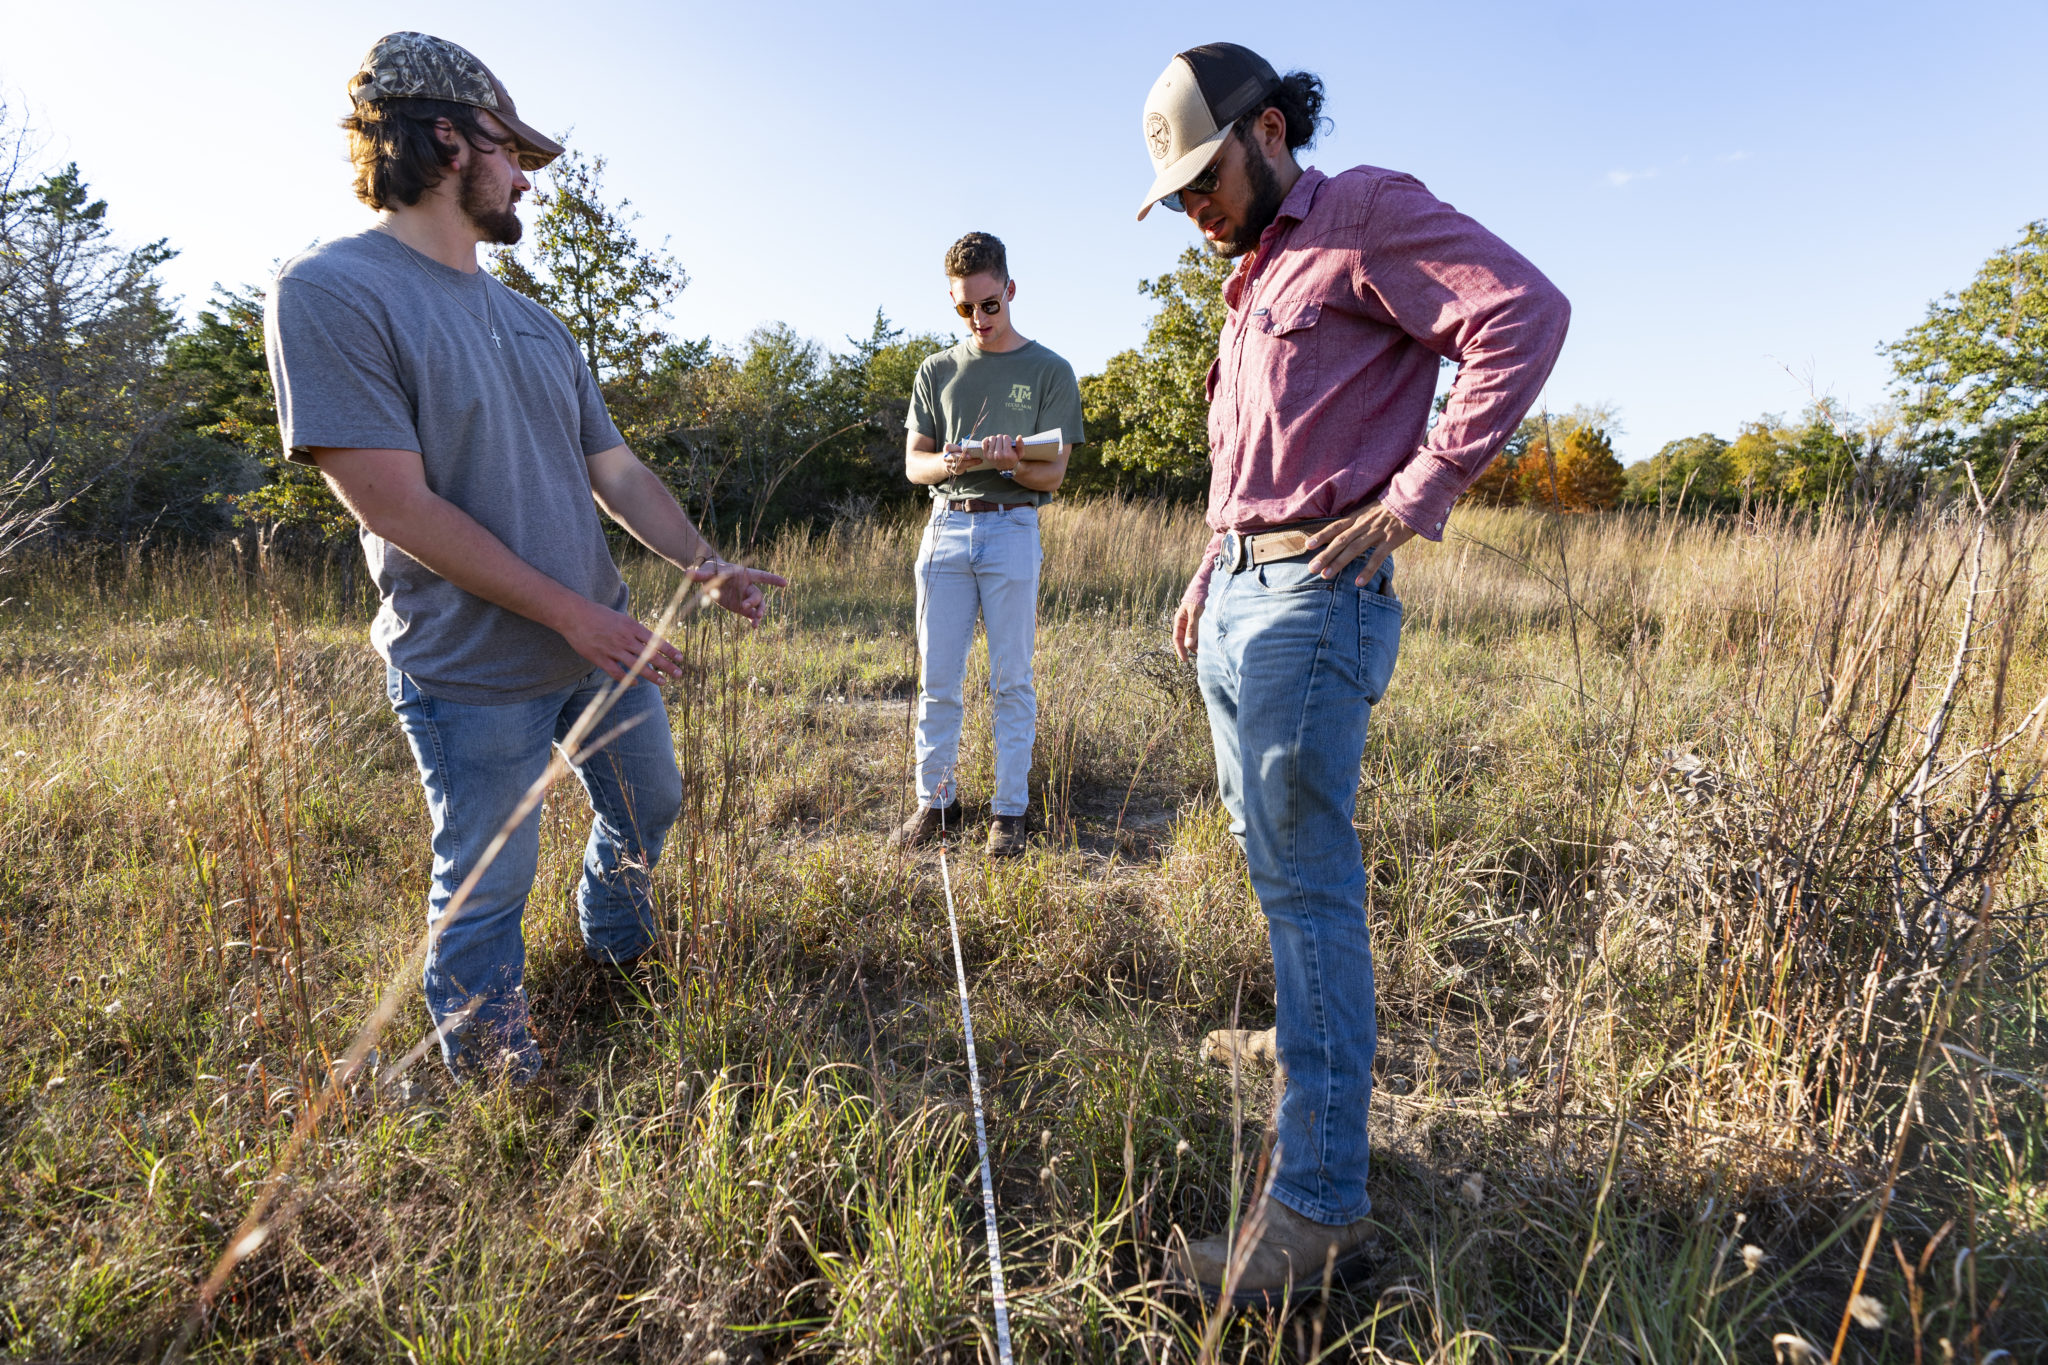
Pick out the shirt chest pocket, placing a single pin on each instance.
(1284, 346)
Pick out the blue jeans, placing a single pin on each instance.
(475, 763)
(973, 563)
(1290, 666)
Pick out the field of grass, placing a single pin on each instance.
(1704, 894)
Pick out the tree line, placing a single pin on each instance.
(1971, 389)
(122, 425)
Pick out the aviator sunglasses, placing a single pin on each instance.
(988, 306)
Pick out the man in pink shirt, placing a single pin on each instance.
(1349, 292)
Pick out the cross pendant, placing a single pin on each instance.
(494, 339)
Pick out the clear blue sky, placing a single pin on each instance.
(1727, 192)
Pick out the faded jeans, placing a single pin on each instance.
(973, 563)
(475, 763)
(1290, 666)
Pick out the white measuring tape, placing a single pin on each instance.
(988, 1185)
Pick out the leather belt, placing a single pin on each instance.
(980, 505)
(1242, 549)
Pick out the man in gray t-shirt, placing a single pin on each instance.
(460, 424)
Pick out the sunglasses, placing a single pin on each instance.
(988, 306)
(1205, 183)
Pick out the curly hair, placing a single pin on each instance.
(1299, 96)
(398, 155)
(978, 253)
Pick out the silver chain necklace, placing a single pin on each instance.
(486, 317)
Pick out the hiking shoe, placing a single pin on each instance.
(929, 823)
(1249, 1046)
(1005, 836)
(1288, 1260)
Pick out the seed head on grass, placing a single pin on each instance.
(1792, 1349)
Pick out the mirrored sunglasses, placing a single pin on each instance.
(1205, 183)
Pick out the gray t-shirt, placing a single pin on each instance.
(373, 345)
(966, 391)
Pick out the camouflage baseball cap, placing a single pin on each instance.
(421, 66)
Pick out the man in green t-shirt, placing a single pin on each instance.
(980, 551)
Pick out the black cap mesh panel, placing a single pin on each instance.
(1233, 79)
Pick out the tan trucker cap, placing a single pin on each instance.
(1192, 105)
(409, 65)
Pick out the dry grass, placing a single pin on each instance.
(1690, 966)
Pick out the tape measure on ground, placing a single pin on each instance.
(988, 1184)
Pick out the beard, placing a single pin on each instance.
(1259, 213)
(494, 217)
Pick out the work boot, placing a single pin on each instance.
(1251, 1047)
(1005, 836)
(1288, 1261)
(929, 823)
(631, 980)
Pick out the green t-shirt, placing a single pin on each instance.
(966, 392)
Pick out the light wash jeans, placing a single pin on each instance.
(475, 763)
(969, 563)
(1290, 666)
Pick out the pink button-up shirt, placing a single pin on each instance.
(1320, 395)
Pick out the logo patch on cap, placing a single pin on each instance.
(1159, 135)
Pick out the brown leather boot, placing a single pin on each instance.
(1005, 836)
(928, 824)
(1288, 1261)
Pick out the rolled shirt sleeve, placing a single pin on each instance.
(1470, 297)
